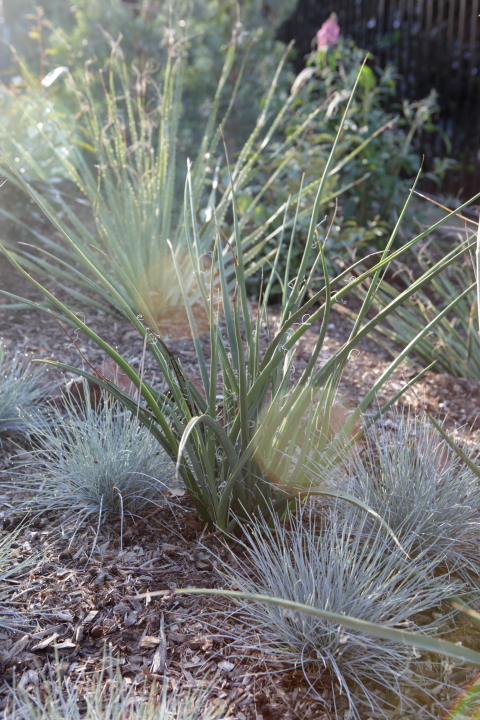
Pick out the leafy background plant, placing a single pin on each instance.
(377, 156)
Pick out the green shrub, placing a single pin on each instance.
(376, 158)
(391, 158)
(123, 157)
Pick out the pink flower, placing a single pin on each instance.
(328, 34)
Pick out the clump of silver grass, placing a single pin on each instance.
(422, 489)
(106, 696)
(336, 563)
(94, 459)
(22, 391)
(10, 617)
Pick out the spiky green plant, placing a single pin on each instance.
(22, 391)
(93, 459)
(241, 441)
(125, 165)
(124, 161)
(454, 345)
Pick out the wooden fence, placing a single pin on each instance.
(433, 43)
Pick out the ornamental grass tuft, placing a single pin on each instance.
(420, 487)
(105, 695)
(335, 562)
(22, 391)
(94, 459)
(10, 616)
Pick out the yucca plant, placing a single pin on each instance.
(22, 391)
(454, 345)
(241, 441)
(121, 156)
(124, 163)
(92, 459)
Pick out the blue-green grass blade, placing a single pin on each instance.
(403, 637)
(449, 440)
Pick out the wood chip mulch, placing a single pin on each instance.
(79, 606)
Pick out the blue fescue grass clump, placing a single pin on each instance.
(409, 475)
(104, 695)
(10, 616)
(335, 562)
(22, 391)
(94, 459)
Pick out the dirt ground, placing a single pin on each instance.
(81, 601)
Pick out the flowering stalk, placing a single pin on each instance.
(328, 34)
